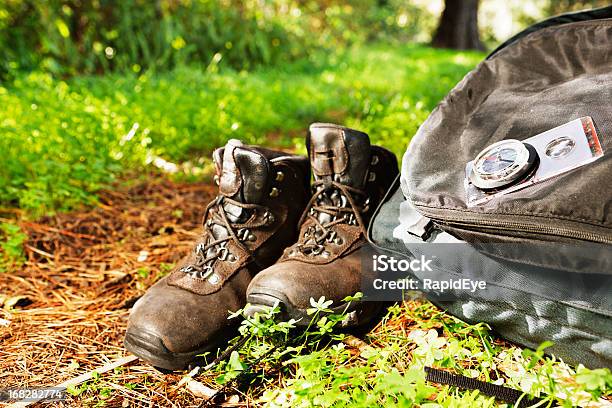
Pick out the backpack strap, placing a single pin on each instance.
(501, 393)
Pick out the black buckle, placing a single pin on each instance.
(422, 228)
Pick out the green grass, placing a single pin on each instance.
(64, 140)
(323, 367)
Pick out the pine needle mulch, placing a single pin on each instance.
(67, 306)
(63, 313)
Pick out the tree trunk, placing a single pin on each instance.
(458, 27)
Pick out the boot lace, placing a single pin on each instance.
(212, 249)
(344, 209)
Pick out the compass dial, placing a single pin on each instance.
(497, 160)
(503, 163)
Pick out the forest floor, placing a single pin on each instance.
(83, 272)
(88, 150)
(65, 313)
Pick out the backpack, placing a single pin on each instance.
(508, 183)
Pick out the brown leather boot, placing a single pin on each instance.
(262, 194)
(350, 178)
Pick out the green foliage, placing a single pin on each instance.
(234, 368)
(596, 382)
(11, 243)
(93, 391)
(281, 366)
(534, 357)
(548, 8)
(554, 7)
(66, 37)
(63, 140)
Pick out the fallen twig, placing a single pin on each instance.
(80, 379)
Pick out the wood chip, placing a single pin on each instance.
(199, 390)
(142, 256)
(355, 342)
(234, 399)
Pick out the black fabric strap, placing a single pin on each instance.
(506, 394)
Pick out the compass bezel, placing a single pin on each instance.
(523, 166)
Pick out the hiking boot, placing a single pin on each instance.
(262, 194)
(350, 179)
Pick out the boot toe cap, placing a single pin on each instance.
(292, 285)
(168, 327)
(278, 284)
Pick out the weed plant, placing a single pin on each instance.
(326, 366)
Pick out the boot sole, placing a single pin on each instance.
(151, 349)
(358, 314)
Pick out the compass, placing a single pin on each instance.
(502, 164)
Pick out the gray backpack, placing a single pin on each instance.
(509, 181)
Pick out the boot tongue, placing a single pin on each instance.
(243, 175)
(243, 172)
(339, 154)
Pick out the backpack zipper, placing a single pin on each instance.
(512, 226)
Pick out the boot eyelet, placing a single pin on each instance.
(268, 218)
(338, 241)
(275, 192)
(371, 176)
(243, 234)
(223, 253)
(187, 269)
(231, 258)
(280, 176)
(200, 248)
(318, 250)
(374, 160)
(251, 237)
(217, 179)
(214, 279)
(205, 273)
